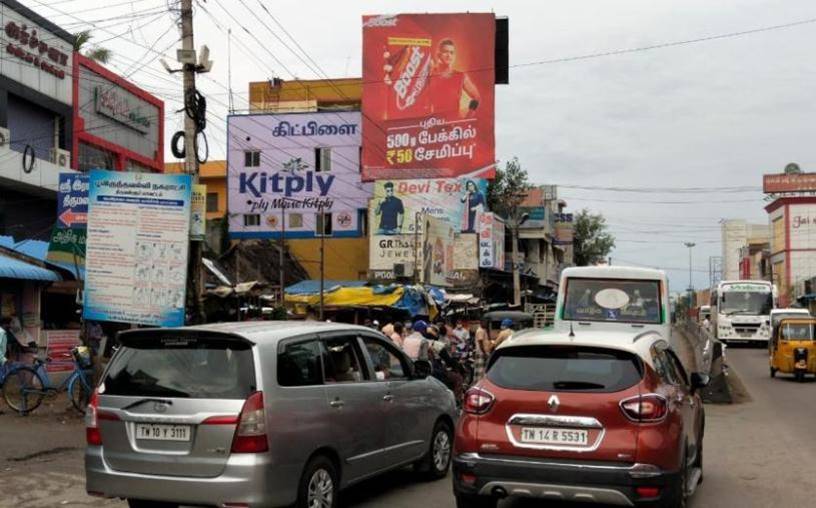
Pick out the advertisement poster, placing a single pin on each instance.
(437, 245)
(396, 202)
(59, 344)
(465, 260)
(136, 252)
(386, 252)
(491, 242)
(298, 164)
(428, 98)
(198, 213)
(67, 245)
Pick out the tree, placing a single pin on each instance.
(591, 240)
(82, 39)
(507, 190)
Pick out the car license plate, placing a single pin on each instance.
(159, 432)
(544, 435)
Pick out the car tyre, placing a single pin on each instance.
(140, 503)
(677, 493)
(319, 484)
(800, 376)
(773, 372)
(474, 501)
(436, 462)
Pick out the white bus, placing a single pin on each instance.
(741, 310)
(614, 298)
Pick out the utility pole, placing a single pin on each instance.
(282, 247)
(322, 256)
(417, 219)
(514, 222)
(690, 245)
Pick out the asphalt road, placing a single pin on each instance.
(760, 453)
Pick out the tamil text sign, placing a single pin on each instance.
(797, 182)
(136, 252)
(428, 98)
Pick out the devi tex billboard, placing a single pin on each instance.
(428, 95)
(297, 165)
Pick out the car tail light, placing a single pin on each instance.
(647, 492)
(92, 416)
(250, 435)
(478, 401)
(645, 408)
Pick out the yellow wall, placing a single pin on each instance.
(778, 234)
(213, 174)
(303, 94)
(346, 258)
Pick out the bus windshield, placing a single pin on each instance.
(613, 300)
(750, 302)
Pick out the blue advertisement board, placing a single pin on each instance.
(72, 200)
(137, 247)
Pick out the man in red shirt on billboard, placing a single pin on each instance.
(447, 84)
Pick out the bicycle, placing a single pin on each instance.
(25, 386)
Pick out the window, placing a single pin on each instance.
(322, 159)
(549, 369)
(252, 219)
(341, 361)
(299, 364)
(323, 224)
(613, 300)
(252, 158)
(362, 220)
(664, 367)
(387, 364)
(295, 220)
(195, 367)
(212, 201)
(677, 367)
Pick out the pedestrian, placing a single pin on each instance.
(416, 345)
(397, 334)
(388, 330)
(481, 351)
(505, 333)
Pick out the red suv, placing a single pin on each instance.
(608, 418)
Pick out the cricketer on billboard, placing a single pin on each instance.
(428, 98)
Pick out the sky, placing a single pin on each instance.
(713, 115)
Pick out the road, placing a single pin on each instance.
(758, 453)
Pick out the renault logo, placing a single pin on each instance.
(160, 407)
(553, 402)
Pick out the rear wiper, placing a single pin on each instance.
(577, 385)
(149, 399)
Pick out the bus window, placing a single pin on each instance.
(613, 300)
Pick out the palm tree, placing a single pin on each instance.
(97, 53)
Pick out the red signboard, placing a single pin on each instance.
(428, 100)
(785, 182)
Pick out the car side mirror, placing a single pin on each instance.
(699, 380)
(422, 369)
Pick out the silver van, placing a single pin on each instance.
(260, 414)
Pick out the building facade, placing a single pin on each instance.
(736, 234)
(793, 244)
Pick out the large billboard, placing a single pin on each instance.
(295, 165)
(136, 252)
(396, 203)
(428, 98)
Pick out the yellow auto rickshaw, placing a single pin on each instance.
(792, 349)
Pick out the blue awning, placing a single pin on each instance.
(310, 287)
(11, 268)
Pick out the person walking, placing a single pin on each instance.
(505, 334)
(416, 345)
(481, 351)
(397, 334)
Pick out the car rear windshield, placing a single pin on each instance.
(558, 368)
(178, 366)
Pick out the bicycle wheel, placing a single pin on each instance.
(79, 395)
(23, 390)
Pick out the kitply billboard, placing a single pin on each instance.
(428, 98)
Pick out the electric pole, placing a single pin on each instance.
(322, 256)
(514, 222)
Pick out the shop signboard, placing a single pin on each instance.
(788, 182)
(465, 260)
(36, 57)
(198, 213)
(67, 245)
(396, 203)
(394, 256)
(437, 244)
(59, 344)
(137, 248)
(298, 164)
(563, 233)
(491, 241)
(428, 95)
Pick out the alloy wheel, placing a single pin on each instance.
(321, 490)
(441, 450)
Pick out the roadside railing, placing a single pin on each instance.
(710, 358)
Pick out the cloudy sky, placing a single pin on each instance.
(715, 114)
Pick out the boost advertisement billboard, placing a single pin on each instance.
(428, 98)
